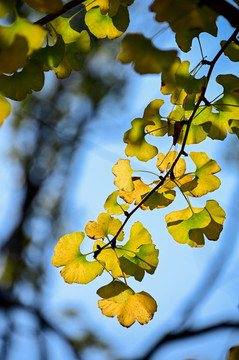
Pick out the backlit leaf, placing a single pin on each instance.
(230, 100)
(113, 207)
(123, 175)
(146, 58)
(76, 268)
(45, 5)
(17, 52)
(205, 181)
(119, 299)
(136, 143)
(6, 6)
(165, 162)
(232, 51)
(20, 84)
(139, 187)
(105, 225)
(5, 109)
(110, 258)
(187, 19)
(151, 113)
(233, 353)
(51, 56)
(105, 26)
(189, 226)
(62, 26)
(159, 199)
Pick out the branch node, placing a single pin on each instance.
(206, 62)
(98, 251)
(207, 103)
(126, 214)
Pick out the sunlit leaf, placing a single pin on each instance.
(233, 353)
(105, 26)
(119, 299)
(165, 162)
(152, 113)
(110, 258)
(123, 175)
(139, 188)
(6, 6)
(105, 225)
(187, 19)
(147, 59)
(230, 100)
(62, 26)
(159, 199)
(51, 56)
(76, 268)
(136, 143)
(20, 84)
(234, 127)
(232, 51)
(189, 226)
(205, 181)
(5, 109)
(45, 5)
(113, 207)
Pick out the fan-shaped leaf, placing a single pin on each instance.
(165, 162)
(121, 300)
(105, 225)
(151, 113)
(45, 5)
(76, 268)
(6, 6)
(232, 51)
(113, 207)
(189, 226)
(123, 179)
(146, 58)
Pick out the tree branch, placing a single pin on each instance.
(46, 19)
(222, 7)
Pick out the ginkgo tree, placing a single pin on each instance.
(31, 48)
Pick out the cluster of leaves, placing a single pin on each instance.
(193, 118)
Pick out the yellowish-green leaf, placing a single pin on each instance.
(119, 299)
(232, 51)
(230, 100)
(105, 225)
(51, 56)
(5, 109)
(152, 113)
(146, 58)
(45, 5)
(234, 127)
(136, 143)
(205, 181)
(123, 175)
(189, 226)
(113, 207)
(159, 199)
(6, 6)
(62, 26)
(165, 162)
(76, 268)
(18, 85)
(14, 57)
(139, 187)
(105, 26)
(110, 258)
(187, 19)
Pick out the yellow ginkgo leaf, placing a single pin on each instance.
(113, 207)
(123, 175)
(76, 268)
(119, 299)
(165, 162)
(5, 109)
(105, 225)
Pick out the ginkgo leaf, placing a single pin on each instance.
(105, 225)
(136, 143)
(146, 58)
(234, 127)
(18, 85)
(45, 5)
(231, 51)
(159, 199)
(205, 181)
(119, 299)
(230, 100)
(17, 52)
(123, 175)
(189, 226)
(5, 109)
(233, 353)
(76, 268)
(140, 188)
(51, 56)
(62, 26)
(112, 206)
(105, 26)
(186, 19)
(151, 113)
(110, 258)
(165, 162)
(6, 6)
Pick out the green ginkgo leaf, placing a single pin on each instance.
(103, 26)
(51, 56)
(112, 206)
(231, 51)
(17, 52)
(234, 127)
(205, 181)
(5, 109)
(187, 19)
(20, 84)
(230, 100)
(123, 175)
(146, 58)
(136, 143)
(105, 225)
(76, 268)
(45, 5)
(189, 226)
(151, 113)
(119, 299)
